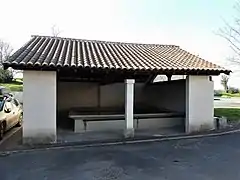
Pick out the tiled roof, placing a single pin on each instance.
(56, 52)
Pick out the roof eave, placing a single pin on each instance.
(154, 71)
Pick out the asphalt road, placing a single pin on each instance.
(208, 158)
(227, 103)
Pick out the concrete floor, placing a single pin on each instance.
(216, 158)
(70, 136)
(13, 139)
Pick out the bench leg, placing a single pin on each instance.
(79, 126)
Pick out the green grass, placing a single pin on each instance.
(230, 95)
(232, 114)
(14, 85)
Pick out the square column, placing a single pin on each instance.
(129, 105)
(39, 106)
(199, 104)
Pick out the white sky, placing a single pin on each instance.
(145, 21)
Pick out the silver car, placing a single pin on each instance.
(11, 113)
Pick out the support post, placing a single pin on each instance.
(199, 104)
(129, 106)
(39, 106)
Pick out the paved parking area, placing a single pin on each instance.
(207, 158)
(11, 139)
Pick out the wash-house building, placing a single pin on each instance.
(100, 85)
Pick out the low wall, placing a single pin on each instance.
(170, 95)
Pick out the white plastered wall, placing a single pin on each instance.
(80, 94)
(39, 105)
(199, 103)
(169, 95)
(77, 94)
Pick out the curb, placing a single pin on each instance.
(59, 146)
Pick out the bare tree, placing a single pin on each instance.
(231, 33)
(55, 31)
(5, 51)
(224, 82)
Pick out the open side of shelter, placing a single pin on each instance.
(100, 85)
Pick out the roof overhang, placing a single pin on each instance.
(129, 71)
(43, 53)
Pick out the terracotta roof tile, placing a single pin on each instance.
(56, 52)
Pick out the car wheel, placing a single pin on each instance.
(19, 124)
(1, 130)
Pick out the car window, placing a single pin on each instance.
(1, 102)
(8, 105)
(15, 102)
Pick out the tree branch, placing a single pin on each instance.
(229, 40)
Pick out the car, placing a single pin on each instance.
(11, 113)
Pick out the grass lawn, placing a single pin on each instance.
(14, 85)
(230, 95)
(232, 114)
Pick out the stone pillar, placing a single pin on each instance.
(39, 106)
(199, 104)
(129, 105)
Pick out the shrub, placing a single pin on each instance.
(6, 76)
(233, 90)
(218, 93)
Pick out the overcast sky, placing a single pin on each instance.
(191, 24)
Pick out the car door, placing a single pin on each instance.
(16, 112)
(9, 114)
